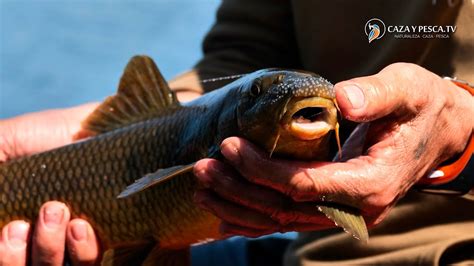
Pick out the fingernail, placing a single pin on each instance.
(355, 95)
(53, 215)
(18, 234)
(203, 177)
(230, 151)
(79, 231)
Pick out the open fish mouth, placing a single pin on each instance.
(310, 118)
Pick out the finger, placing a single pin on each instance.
(233, 213)
(40, 131)
(13, 244)
(289, 177)
(49, 238)
(229, 229)
(225, 182)
(372, 97)
(351, 183)
(82, 243)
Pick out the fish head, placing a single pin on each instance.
(289, 113)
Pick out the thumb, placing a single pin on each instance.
(368, 98)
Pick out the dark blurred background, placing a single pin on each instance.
(57, 53)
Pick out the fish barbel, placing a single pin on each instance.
(143, 133)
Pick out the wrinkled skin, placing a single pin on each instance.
(417, 121)
(407, 105)
(36, 132)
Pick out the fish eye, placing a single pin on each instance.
(255, 90)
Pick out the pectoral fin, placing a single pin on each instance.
(348, 219)
(155, 178)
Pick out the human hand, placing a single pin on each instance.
(25, 135)
(417, 121)
(36, 132)
(53, 231)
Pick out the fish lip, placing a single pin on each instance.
(325, 122)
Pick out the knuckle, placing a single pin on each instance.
(295, 189)
(381, 93)
(413, 76)
(408, 69)
(284, 215)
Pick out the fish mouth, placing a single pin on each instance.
(309, 118)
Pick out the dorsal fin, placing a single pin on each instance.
(142, 94)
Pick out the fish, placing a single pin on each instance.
(144, 133)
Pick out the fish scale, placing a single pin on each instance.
(132, 179)
(94, 178)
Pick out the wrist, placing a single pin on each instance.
(457, 176)
(463, 93)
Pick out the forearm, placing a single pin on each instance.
(187, 86)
